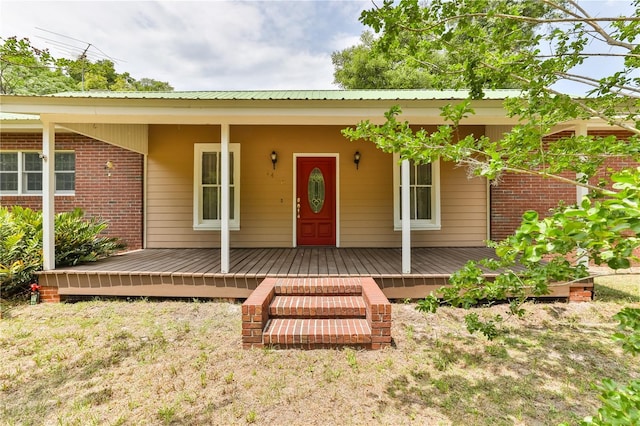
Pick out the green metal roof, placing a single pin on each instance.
(336, 95)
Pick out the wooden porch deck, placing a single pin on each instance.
(196, 272)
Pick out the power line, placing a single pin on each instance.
(82, 49)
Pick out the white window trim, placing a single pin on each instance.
(432, 224)
(200, 224)
(22, 191)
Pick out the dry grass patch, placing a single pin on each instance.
(180, 363)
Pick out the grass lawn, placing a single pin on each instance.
(181, 363)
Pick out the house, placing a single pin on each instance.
(219, 188)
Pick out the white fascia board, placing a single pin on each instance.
(272, 116)
(28, 128)
(245, 112)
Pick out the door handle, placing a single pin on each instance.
(298, 207)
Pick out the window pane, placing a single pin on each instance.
(231, 203)
(9, 162)
(9, 182)
(32, 162)
(33, 182)
(65, 181)
(65, 161)
(423, 203)
(209, 168)
(413, 203)
(424, 174)
(210, 203)
(412, 173)
(315, 190)
(231, 169)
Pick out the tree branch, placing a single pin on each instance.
(593, 112)
(560, 179)
(587, 55)
(596, 83)
(574, 18)
(593, 22)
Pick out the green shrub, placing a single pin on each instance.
(20, 247)
(77, 239)
(620, 403)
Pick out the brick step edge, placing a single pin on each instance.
(313, 333)
(317, 306)
(319, 286)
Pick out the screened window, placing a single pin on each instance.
(21, 173)
(9, 172)
(424, 190)
(208, 186)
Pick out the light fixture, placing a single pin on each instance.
(356, 158)
(274, 159)
(109, 166)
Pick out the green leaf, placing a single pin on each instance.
(619, 263)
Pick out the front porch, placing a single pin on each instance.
(196, 272)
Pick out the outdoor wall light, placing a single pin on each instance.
(109, 166)
(274, 159)
(356, 159)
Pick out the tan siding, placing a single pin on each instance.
(367, 200)
(463, 211)
(170, 186)
(366, 205)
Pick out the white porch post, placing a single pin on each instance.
(224, 207)
(581, 192)
(48, 196)
(406, 216)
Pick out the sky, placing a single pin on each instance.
(197, 45)
(211, 44)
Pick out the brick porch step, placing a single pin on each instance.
(311, 286)
(316, 333)
(318, 306)
(311, 313)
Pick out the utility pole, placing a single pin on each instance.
(83, 58)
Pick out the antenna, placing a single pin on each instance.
(80, 52)
(67, 45)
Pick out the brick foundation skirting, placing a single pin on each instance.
(580, 294)
(49, 294)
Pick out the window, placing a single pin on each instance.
(21, 173)
(207, 197)
(424, 189)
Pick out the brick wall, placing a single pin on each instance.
(515, 194)
(116, 198)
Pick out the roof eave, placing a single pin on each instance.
(240, 111)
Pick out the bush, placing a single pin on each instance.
(77, 240)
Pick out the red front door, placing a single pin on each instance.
(316, 201)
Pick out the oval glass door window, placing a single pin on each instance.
(315, 190)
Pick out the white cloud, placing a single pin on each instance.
(199, 45)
